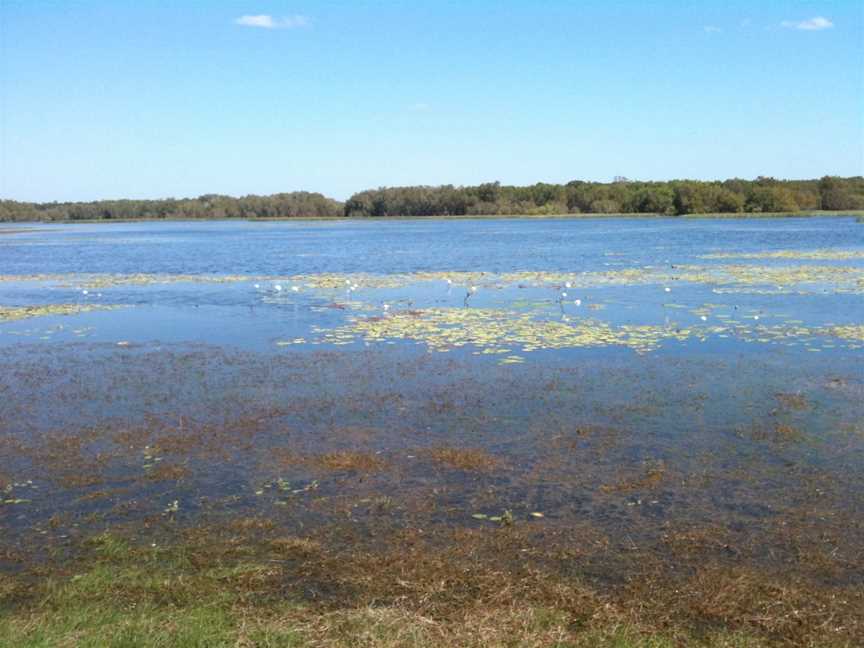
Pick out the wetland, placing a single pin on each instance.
(640, 432)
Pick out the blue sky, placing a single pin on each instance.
(146, 99)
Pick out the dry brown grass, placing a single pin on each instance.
(490, 587)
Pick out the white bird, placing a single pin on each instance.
(563, 294)
(257, 286)
(668, 289)
(473, 289)
(295, 289)
(277, 288)
(755, 317)
(704, 319)
(85, 292)
(568, 285)
(578, 302)
(386, 307)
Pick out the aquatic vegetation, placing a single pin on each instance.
(796, 402)
(651, 477)
(12, 313)
(168, 472)
(349, 460)
(341, 460)
(726, 277)
(604, 475)
(498, 331)
(96, 281)
(774, 433)
(505, 519)
(817, 255)
(472, 459)
(10, 493)
(735, 276)
(853, 333)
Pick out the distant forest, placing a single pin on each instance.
(622, 196)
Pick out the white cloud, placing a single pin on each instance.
(711, 29)
(813, 24)
(269, 22)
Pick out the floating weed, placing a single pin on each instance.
(852, 332)
(7, 495)
(498, 331)
(93, 281)
(290, 342)
(286, 488)
(819, 255)
(504, 519)
(841, 278)
(12, 313)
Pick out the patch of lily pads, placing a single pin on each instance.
(498, 331)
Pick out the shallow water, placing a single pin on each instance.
(692, 373)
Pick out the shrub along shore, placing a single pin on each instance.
(763, 197)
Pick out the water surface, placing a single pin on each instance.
(637, 375)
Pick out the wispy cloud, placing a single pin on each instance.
(712, 29)
(813, 24)
(265, 21)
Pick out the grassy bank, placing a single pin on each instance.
(242, 586)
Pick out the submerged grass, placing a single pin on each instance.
(471, 459)
(363, 514)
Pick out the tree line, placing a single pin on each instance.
(282, 205)
(675, 197)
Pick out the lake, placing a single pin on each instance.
(631, 380)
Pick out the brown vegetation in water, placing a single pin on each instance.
(341, 460)
(652, 476)
(277, 539)
(469, 459)
(795, 402)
